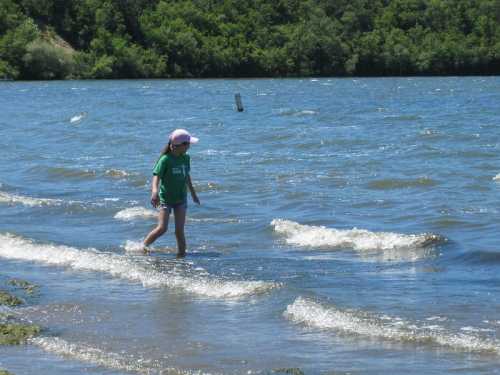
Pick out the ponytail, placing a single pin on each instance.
(165, 150)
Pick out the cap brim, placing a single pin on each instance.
(193, 139)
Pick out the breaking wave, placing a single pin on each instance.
(89, 354)
(69, 206)
(357, 239)
(142, 213)
(28, 201)
(92, 174)
(95, 356)
(134, 213)
(358, 323)
(117, 173)
(196, 281)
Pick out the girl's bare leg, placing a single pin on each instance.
(159, 230)
(180, 220)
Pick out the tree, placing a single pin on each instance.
(43, 60)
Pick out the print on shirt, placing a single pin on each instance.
(179, 170)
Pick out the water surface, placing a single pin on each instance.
(346, 226)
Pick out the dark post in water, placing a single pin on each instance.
(239, 104)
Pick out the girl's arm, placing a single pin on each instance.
(191, 189)
(155, 198)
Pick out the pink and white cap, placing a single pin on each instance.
(180, 136)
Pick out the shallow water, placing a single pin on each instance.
(346, 226)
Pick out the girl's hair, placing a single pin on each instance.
(165, 150)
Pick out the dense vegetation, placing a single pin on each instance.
(51, 39)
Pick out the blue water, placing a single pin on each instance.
(346, 226)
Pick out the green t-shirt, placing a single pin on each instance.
(173, 172)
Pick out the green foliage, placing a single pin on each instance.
(7, 71)
(103, 67)
(44, 60)
(16, 32)
(241, 38)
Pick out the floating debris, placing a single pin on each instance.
(76, 119)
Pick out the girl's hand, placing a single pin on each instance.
(155, 199)
(195, 199)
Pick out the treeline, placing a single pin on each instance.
(58, 39)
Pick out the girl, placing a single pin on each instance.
(171, 175)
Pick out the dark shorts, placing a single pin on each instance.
(170, 207)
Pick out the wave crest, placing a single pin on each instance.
(134, 213)
(117, 173)
(357, 239)
(178, 276)
(28, 201)
(359, 323)
(89, 354)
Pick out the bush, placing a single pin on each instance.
(7, 71)
(13, 47)
(44, 60)
(103, 67)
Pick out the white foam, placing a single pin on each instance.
(313, 314)
(475, 329)
(497, 178)
(296, 112)
(357, 239)
(307, 112)
(111, 199)
(436, 318)
(125, 267)
(93, 355)
(134, 247)
(134, 213)
(44, 202)
(117, 173)
(28, 201)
